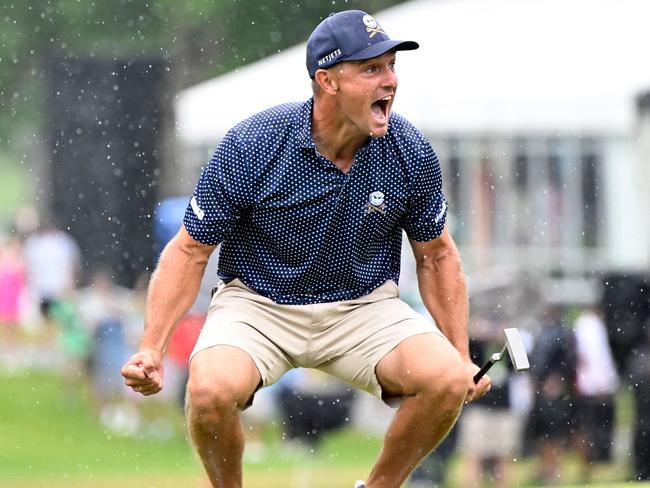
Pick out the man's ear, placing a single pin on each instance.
(326, 81)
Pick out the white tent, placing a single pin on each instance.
(561, 75)
(556, 66)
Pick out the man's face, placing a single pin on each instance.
(366, 90)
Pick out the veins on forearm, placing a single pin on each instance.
(438, 263)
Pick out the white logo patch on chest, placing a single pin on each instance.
(376, 198)
(376, 202)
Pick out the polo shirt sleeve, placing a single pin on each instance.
(427, 209)
(216, 204)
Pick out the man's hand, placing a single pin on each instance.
(144, 372)
(476, 391)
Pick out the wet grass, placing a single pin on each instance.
(47, 431)
(50, 438)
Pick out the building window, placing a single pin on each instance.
(591, 189)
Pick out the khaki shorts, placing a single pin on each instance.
(345, 339)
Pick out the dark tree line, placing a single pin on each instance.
(197, 39)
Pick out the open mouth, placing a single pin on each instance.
(380, 108)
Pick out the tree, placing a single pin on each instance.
(198, 38)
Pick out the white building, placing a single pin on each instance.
(531, 107)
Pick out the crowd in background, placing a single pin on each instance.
(567, 401)
(565, 404)
(83, 327)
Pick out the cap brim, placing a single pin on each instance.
(381, 48)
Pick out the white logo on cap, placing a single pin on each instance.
(372, 26)
(329, 57)
(370, 21)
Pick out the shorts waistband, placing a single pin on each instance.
(388, 289)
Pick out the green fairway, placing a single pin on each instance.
(47, 432)
(49, 438)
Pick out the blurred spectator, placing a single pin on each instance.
(103, 307)
(136, 306)
(553, 369)
(168, 217)
(53, 263)
(180, 347)
(596, 383)
(25, 221)
(491, 430)
(640, 381)
(62, 319)
(312, 403)
(12, 288)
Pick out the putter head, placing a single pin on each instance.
(516, 349)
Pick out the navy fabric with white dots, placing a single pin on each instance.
(298, 230)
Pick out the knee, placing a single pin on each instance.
(211, 400)
(448, 388)
(454, 384)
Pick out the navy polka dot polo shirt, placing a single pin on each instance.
(298, 230)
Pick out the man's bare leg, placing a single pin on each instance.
(431, 376)
(222, 379)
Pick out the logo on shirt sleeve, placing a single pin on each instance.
(376, 203)
(196, 209)
(441, 214)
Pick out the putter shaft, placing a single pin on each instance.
(493, 359)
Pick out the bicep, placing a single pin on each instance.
(184, 243)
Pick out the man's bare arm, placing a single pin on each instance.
(442, 287)
(173, 289)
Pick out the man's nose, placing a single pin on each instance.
(389, 79)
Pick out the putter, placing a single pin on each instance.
(516, 351)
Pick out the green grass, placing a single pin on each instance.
(50, 438)
(47, 431)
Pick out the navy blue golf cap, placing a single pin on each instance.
(351, 35)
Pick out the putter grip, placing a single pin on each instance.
(482, 371)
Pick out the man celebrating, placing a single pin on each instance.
(308, 201)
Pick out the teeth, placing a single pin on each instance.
(387, 98)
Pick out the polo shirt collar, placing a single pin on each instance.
(305, 139)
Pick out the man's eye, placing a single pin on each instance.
(371, 69)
